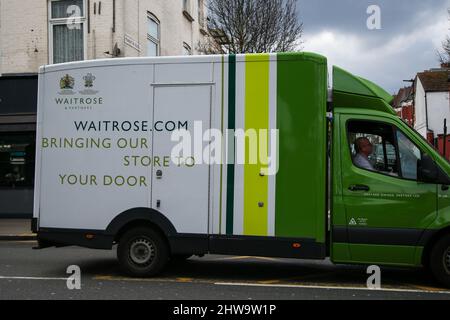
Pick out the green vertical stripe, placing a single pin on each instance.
(256, 117)
(300, 182)
(231, 125)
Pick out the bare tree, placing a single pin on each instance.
(252, 26)
(444, 54)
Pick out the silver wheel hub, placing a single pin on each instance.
(142, 252)
(447, 260)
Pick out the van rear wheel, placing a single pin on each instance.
(440, 260)
(142, 252)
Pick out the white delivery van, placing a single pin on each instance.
(105, 170)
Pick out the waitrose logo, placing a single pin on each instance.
(69, 93)
(79, 101)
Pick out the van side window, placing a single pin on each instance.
(409, 155)
(372, 146)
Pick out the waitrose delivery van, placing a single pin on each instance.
(335, 172)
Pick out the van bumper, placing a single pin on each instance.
(92, 239)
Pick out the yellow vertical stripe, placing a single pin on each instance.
(256, 117)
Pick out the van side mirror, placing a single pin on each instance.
(427, 170)
(443, 178)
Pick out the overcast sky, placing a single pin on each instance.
(411, 32)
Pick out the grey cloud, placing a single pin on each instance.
(405, 45)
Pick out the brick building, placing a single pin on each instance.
(404, 105)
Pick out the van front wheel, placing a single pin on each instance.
(142, 252)
(440, 260)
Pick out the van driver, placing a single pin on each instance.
(364, 149)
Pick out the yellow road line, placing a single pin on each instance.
(184, 279)
(266, 258)
(427, 288)
(273, 281)
(113, 278)
(231, 258)
(243, 258)
(299, 278)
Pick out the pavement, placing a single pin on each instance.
(41, 274)
(16, 229)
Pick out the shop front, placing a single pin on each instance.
(18, 101)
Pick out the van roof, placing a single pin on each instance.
(176, 59)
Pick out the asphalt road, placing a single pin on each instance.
(41, 274)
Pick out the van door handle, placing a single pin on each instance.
(358, 187)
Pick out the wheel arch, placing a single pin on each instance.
(431, 242)
(140, 217)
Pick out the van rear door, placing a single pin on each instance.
(180, 188)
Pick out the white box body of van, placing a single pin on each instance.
(104, 146)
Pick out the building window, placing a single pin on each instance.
(17, 155)
(67, 30)
(187, 51)
(153, 35)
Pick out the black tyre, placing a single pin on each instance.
(142, 252)
(440, 260)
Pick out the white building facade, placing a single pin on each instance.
(37, 32)
(432, 102)
(40, 32)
